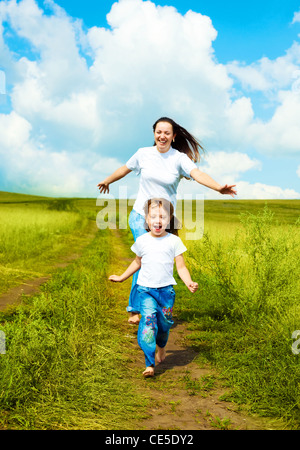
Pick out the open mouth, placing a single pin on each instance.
(157, 227)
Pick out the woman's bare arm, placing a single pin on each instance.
(206, 180)
(117, 175)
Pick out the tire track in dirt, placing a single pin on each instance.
(32, 286)
(183, 395)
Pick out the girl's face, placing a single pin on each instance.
(157, 219)
(163, 136)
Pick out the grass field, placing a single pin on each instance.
(66, 348)
(247, 307)
(34, 232)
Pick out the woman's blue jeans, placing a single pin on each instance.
(137, 226)
(156, 306)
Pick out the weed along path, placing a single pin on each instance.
(184, 394)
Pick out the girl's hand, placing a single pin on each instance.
(193, 286)
(228, 190)
(115, 278)
(103, 187)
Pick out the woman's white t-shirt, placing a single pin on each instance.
(157, 255)
(160, 174)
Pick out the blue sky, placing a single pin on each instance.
(82, 82)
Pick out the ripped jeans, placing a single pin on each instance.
(156, 306)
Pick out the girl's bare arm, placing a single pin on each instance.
(134, 267)
(185, 274)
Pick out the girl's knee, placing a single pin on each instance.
(167, 313)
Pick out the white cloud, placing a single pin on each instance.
(296, 17)
(14, 130)
(267, 75)
(282, 131)
(2, 83)
(84, 100)
(258, 191)
(229, 166)
(38, 169)
(279, 83)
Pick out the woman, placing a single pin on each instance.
(161, 167)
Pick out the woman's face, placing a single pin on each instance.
(163, 136)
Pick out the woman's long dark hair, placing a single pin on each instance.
(184, 141)
(174, 224)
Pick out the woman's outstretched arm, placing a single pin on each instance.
(117, 175)
(206, 180)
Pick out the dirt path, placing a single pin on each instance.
(183, 395)
(31, 286)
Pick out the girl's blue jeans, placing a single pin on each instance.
(156, 306)
(137, 226)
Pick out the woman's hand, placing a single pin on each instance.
(117, 175)
(228, 190)
(103, 187)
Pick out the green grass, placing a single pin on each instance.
(67, 353)
(29, 233)
(65, 365)
(220, 211)
(35, 232)
(10, 197)
(246, 309)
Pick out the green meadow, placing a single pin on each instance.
(67, 351)
(34, 232)
(247, 307)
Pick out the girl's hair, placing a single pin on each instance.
(184, 141)
(174, 224)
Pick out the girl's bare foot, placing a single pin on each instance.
(149, 372)
(160, 355)
(134, 319)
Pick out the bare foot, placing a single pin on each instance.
(160, 355)
(134, 319)
(149, 372)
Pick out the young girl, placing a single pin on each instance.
(161, 168)
(155, 253)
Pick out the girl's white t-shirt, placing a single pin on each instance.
(160, 174)
(157, 255)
